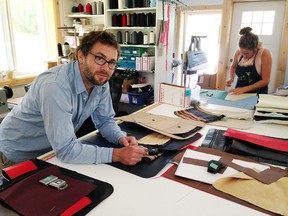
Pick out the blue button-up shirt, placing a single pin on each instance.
(54, 108)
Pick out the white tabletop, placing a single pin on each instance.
(137, 196)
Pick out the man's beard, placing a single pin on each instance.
(90, 76)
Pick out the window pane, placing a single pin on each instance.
(29, 35)
(261, 21)
(256, 28)
(257, 16)
(267, 29)
(246, 17)
(269, 16)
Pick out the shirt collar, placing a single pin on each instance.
(78, 81)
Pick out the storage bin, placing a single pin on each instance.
(127, 58)
(134, 51)
(127, 64)
(139, 99)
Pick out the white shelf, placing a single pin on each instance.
(79, 15)
(137, 45)
(140, 71)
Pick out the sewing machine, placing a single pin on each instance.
(5, 93)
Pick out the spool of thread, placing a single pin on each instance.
(119, 37)
(126, 38)
(94, 8)
(114, 19)
(134, 37)
(113, 4)
(133, 19)
(120, 4)
(80, 8)
(124, 20)
(137, 20)
(130, 3)
(100, 7)
(138, 4)
(119, 20)
(66, 49)
(149, 19)
(146, 3)
(74, 9)
(151, 38)
(141, 19)
(60, 51)
(145, 39)
(154, 19)
(88, 8)
(128, 19)
(140, 37)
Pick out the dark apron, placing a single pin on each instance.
(248, 75)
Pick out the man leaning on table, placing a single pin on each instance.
(58, 102)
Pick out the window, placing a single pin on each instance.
(27, 34)
(260, 21)
(210, 36)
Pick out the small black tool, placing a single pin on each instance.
(215, 166)
(153, 151)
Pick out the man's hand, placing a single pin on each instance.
(128, 141)
(129, 155)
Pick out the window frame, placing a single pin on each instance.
(50, 11)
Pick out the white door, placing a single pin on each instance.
(266, 20)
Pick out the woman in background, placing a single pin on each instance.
(252, 64)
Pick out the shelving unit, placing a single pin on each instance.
(150, 49)
(163, 55)
(93, 21)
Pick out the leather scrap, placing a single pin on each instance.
(176, 128)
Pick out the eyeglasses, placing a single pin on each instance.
(102, 61)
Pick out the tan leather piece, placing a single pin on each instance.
(272, 197)
(171, 127)
(154, 139)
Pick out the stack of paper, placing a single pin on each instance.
(272, 109)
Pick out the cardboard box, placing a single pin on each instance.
(207, 81)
